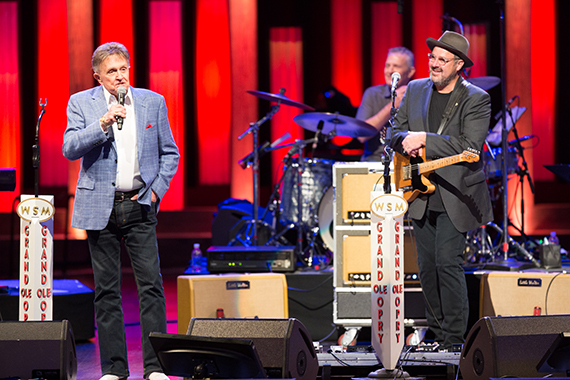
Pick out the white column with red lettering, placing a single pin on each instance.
(387, 265)
(36, 258)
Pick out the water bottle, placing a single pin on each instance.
(196, 259)
(553, 239)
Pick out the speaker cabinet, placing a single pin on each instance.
(352, 256)
(284, 345)
(524, 293)
(37, 350)
(499, 347)
(261, 295)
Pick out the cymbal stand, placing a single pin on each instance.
(522, 172)
(254, 129)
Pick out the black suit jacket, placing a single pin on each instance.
(465, 125)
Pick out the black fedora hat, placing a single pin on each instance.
(455, 43)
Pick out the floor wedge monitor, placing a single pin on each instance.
(498, 347)
(32, 350)
(284, 345)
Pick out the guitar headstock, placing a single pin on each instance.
(470, 155)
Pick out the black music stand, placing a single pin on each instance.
(561, 170)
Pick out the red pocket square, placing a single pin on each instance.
(148, 126)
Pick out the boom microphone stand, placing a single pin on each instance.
(504, 133)
(254, 129)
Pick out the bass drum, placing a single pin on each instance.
(325, 219)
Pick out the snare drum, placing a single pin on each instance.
(493, 168)
(315, 179)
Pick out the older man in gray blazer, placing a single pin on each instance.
(441, 116)
(128, 156)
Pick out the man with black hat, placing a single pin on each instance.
(442, 116)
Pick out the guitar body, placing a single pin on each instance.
(414, 184)
(410, 173)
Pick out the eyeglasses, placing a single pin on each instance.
(442, 61)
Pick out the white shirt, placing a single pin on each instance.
(128, 173)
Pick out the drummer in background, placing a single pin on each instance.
(377, 103)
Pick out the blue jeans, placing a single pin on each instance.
(129, 221)
(440, 260)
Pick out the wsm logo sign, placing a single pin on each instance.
(392, 205)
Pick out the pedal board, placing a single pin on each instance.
(424, 355)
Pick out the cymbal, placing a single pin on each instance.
(280, 98)
(486, 83)
(343, 125)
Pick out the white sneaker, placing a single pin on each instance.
(112, 377)
(158, 376)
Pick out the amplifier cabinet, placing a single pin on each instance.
(524, 293)
(262, 295)
(353, 182)
(352, 256)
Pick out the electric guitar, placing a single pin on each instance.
(410, 173)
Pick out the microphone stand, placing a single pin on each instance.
(36, 150)
(254, 129)
(388, 151)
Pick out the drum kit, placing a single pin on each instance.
(302, 214)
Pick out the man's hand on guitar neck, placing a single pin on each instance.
(413, 143)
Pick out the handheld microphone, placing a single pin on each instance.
(395, 79)
(122, 92)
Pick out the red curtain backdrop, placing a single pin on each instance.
(213, 91)
(118, 26)
(166, 78)
(426, 23)
(286, 71)
(244, 110)
(386, 33)
(10, 133)
(346, 48)
(543, 39)
(53, 85)
(477, 36)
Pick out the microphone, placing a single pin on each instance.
(122, 91)
(509, 102)
(318, 134)
(247, 160)
(395, 79)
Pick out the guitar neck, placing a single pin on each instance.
(430, 166)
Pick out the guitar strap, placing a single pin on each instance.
(459, 93)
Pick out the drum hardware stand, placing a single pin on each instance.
(522, 172)
(298, 148)
(254, 129)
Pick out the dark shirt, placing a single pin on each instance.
(436, 110)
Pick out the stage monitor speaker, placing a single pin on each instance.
(261, 295)
(524, 293)
(498, 347)
(30, 350)
(284, 346)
